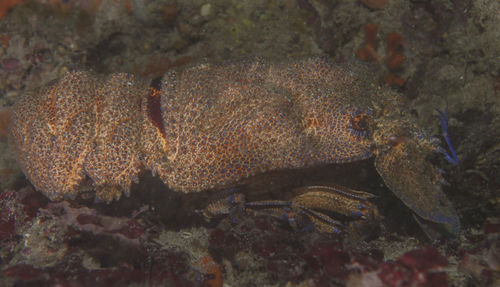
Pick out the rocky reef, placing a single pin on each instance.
(432, 53)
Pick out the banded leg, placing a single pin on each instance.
(311, 207)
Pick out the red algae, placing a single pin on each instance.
(423, 259)
(7, 225)
(420, 267)
(22, 271)
(132, 229)
(328, 258)
(11, 64)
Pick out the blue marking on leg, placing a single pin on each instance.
(452, 156)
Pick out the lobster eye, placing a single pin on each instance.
(360, 122)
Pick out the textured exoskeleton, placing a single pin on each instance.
(211, 125)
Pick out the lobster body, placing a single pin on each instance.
(211, 125)
(204, 127)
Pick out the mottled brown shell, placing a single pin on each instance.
(204, 127)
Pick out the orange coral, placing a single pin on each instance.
(6, 5)
(394, 80)
(368, 52)
(394, 61)
(394, 42)
(395, 45)
(394, 57)
(212, 270)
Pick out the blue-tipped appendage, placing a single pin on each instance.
(449, 154)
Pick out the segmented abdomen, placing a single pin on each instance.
(203, 127)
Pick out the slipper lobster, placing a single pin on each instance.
(211, 125)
